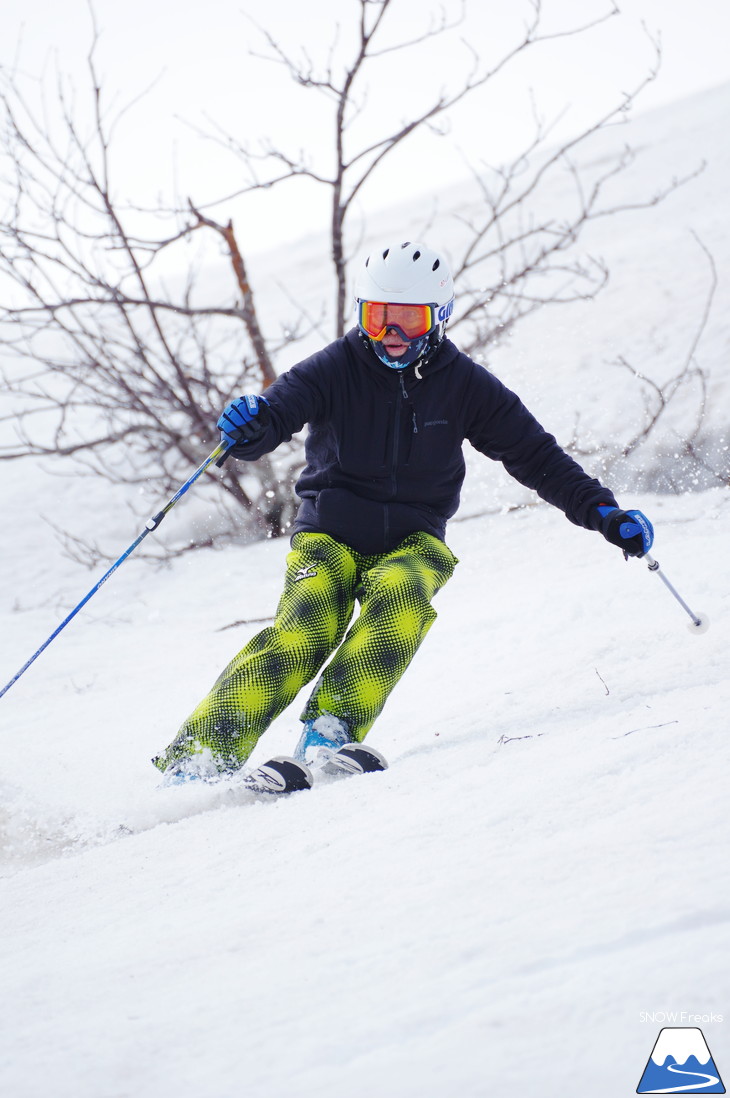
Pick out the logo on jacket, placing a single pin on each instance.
(304, 573)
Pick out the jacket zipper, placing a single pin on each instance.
(402, 398)
(397, 415)
(394, 456)
(413, 419)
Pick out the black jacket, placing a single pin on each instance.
(384, 449)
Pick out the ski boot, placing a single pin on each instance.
(199, 767)
(320, 737)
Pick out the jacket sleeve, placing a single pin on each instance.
(501, 427)
(299, 396)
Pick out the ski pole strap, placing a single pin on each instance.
(226, 453)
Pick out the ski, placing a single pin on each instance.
(355, 758)
(284, 774)
(279, 775)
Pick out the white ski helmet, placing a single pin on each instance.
(406, 274)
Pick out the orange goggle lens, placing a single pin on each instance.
(412, 321)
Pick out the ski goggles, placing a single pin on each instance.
(410, 321)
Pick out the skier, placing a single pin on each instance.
(388, 406)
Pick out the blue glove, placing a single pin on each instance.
(630, 530)
(244, 420)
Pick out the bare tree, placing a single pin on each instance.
(343, 83)
(519, 250)
(672, 460)
(521, 242)
(124, 374)
(127, 373)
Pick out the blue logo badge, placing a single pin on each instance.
(680, 1063)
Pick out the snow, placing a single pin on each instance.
(543, 862)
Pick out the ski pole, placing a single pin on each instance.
(150, 525)
(700, 623)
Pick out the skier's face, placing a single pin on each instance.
(394, 344)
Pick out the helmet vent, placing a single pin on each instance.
(435, 264)
(416, 255)
(385, 253)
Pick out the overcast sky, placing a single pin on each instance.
(196, 58)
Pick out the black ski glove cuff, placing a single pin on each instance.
(252, 431)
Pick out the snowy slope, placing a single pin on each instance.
(543, 861)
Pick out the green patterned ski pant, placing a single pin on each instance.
(324, 578)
